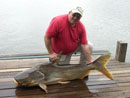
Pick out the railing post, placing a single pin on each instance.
(121, 51)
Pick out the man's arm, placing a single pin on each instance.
(87, 52)
(47, 41)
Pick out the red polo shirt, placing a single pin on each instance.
(64, 37)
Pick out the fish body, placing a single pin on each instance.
(50, 73)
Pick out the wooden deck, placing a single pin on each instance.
(97, 86)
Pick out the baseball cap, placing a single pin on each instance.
(77, 10)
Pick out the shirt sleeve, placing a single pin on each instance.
(83, 36)
(52, 29)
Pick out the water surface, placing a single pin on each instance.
(24, 22)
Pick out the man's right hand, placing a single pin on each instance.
(53, 57)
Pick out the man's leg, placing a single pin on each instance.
(83, 58)
(65, 59)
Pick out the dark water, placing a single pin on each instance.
(24, 22)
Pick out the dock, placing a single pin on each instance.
(96, 86)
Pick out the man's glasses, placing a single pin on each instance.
(78, 16)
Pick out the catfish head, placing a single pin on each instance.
(29, 77)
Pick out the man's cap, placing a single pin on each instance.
(77, 10)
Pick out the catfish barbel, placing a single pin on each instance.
(50, 73)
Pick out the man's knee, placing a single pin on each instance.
(65, 59)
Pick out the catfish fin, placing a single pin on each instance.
(85, 74)
(38, 76)
(63, 82)
(100, 65)
(43, 86)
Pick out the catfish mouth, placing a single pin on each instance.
(17, 82)
(29, 83)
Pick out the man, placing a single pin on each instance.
(66, 33)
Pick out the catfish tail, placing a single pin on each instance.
(100, 65)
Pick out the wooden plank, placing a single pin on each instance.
(93, 80)
(114, 94)
(92, 77)
(96, 74)
(16, 70)
(120, 87)
(121, 51)
(79, 94)
(44, 55)
(101, 82)
(60, 89)
(10, 84)
(29, 63)
(91, 88)
(23, 63)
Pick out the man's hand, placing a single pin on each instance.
(53, 57)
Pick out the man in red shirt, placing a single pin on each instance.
(66, 33)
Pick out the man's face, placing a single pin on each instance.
(73, 18)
